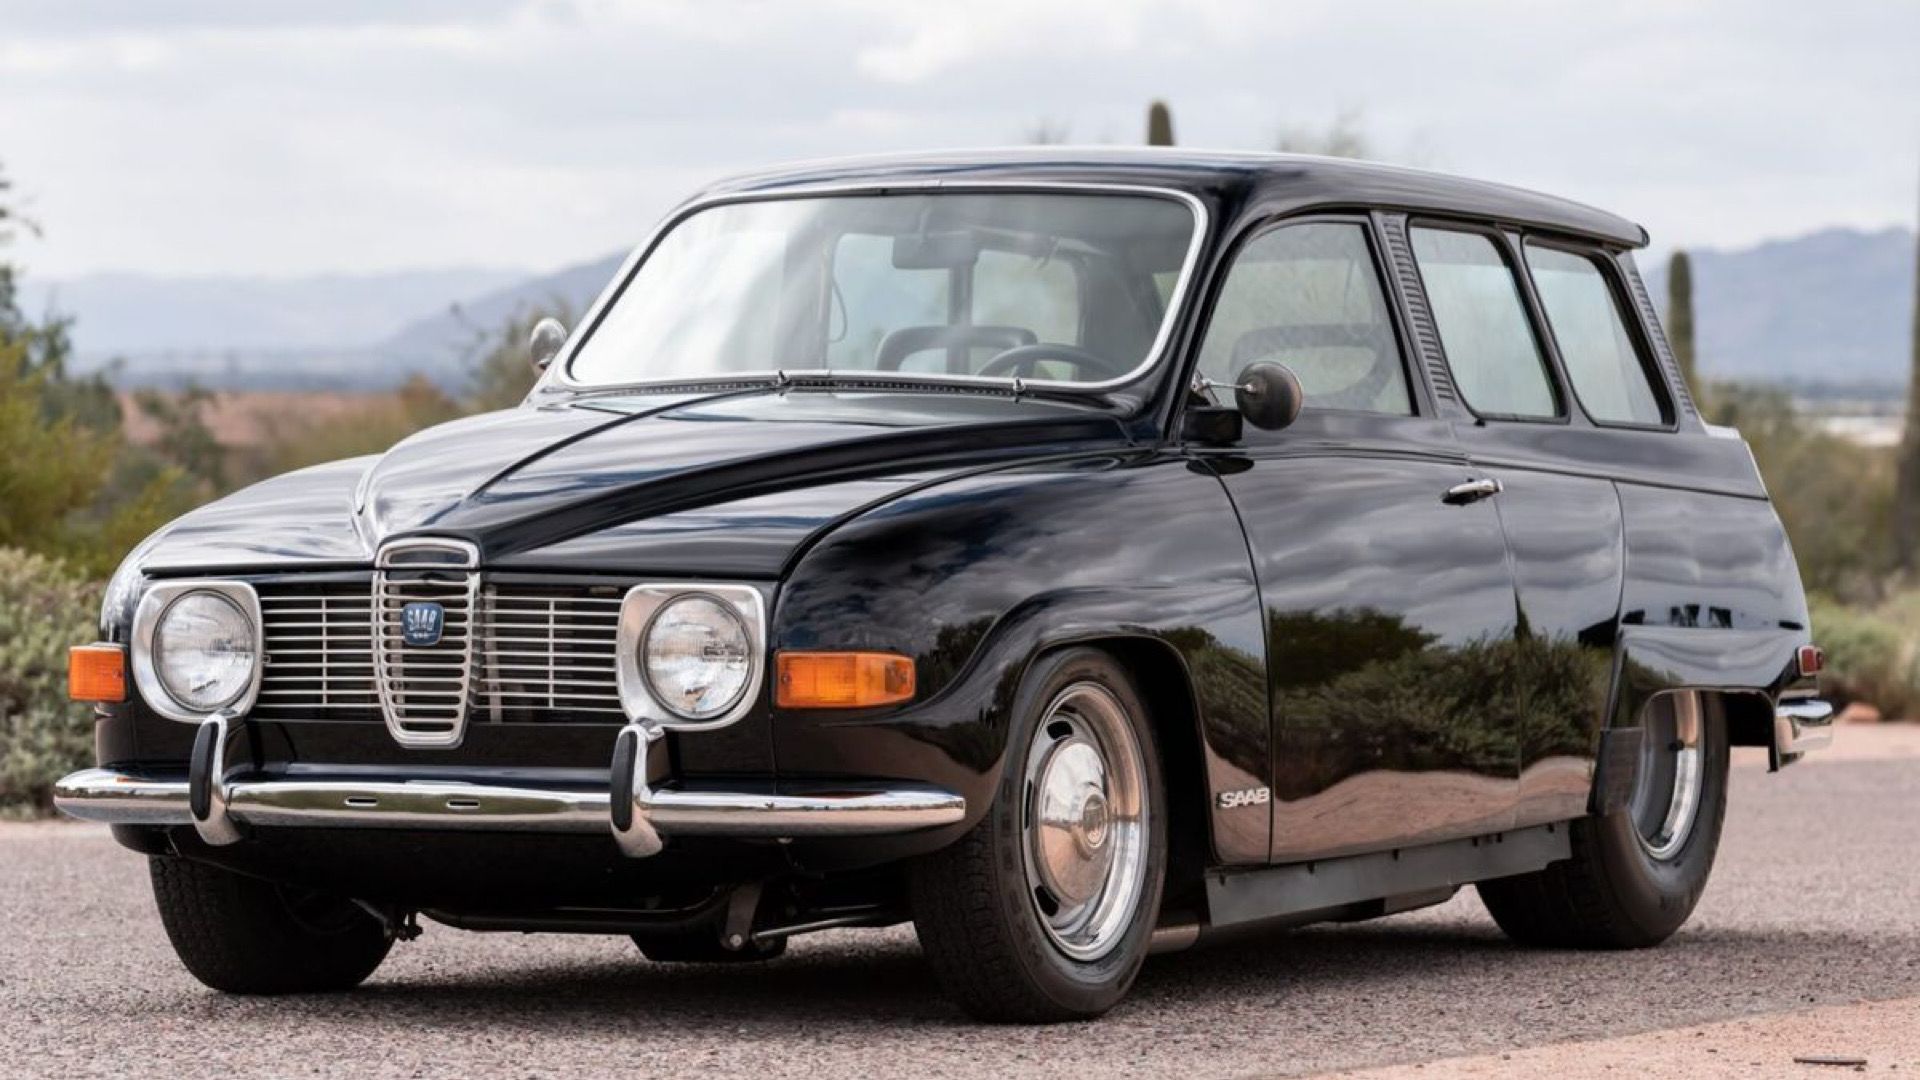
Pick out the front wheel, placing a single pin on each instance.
(1043, 911)
(1635, 874)
(248, 936)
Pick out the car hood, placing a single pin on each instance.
(524, 480)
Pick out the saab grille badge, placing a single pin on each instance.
(421, 623)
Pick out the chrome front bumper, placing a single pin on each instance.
(1800, 725)
(636, 814)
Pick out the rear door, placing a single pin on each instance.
(1556, 392)
(1388, 604)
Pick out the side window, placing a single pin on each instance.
(1309, 296)
(1490, 347)
(1608, 372)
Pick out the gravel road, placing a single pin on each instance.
(1813, 905)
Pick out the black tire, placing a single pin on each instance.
(702, 946)
(975, 918)
(1614, 894)
(242, 935)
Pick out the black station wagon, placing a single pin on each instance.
(1075, 553)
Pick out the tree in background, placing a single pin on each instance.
(499, 374)
(1344, 137)
(50, 465)
(501, 369)
(1047, 131)
(185, 439)
(67, 490)
(1680, 315)
(1159, 124)
(1906, 512)
(59, 438)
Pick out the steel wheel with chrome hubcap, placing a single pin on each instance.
(1084, 815)
(1635, 874)
(1667, 791)
(1043, 910)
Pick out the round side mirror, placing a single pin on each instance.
(544, 342)
(1268, 395)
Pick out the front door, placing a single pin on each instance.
(1388, 597)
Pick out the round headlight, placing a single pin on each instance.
(204, 651)
(697, 657)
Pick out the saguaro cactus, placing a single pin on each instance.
(1159, 124)
(1906, 506)
(1680, 315)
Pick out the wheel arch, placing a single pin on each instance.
(976, 579)
(1742, 672)
(1748, 713)
(1164, 681)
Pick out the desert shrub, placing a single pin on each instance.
(372, 430)
(1835, 497)
(1873, 653)
(43, 610)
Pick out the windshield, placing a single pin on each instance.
(1040, 286)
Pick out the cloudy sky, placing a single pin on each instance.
(238, 136)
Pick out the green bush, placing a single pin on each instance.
(1835, 497)
(1873, 653)
(43, 610)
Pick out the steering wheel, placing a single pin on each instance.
(1020, 361)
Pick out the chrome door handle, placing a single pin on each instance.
(1471, 492)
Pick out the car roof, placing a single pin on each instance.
(1280, 183)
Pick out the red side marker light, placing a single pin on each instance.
(1812, 660)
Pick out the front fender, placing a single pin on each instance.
(976, 577)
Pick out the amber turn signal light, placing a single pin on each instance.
(841, 680)
(97, 673)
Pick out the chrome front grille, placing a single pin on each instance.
(424, 687)
(548, 651)
(319, 652)
(539, 653)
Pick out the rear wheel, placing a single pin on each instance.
(1043, 911)
(1636, 874)
(248, 936)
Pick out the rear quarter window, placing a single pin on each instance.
(1606, 366)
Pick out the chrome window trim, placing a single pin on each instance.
(637, 609)
(154, 603)
(559, 375)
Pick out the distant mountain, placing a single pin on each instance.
(248, 330)
(1831, 307)
(451, 331)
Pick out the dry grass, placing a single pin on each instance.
(250, 419)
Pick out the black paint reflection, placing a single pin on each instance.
(971, 577)
(1565, 535)
(1381, 604)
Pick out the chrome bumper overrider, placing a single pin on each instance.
(635, 813)
(1800, 725)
